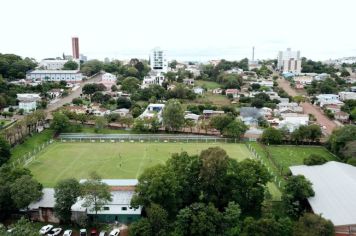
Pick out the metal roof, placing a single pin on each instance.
(47, 199)
(334, 184)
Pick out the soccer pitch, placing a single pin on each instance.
(113, 160)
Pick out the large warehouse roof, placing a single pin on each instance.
(334, 184)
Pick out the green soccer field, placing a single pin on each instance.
(113, 160)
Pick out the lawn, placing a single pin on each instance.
(113, 160)
(31, 143)
(207, 84)
(286, 156)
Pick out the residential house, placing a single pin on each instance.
(192, 116)
(188, 81)
(76, 109)
(321, 77)
(289, 107)
(303, 80)
(334, 108)
(250, 115)
(233, 92)
(28, 101)
(101, 112)
(342, 116)
(236, 71)
(153, 110)
(55, 93)
(347, 96)
(217, 91)
(171, 87)
(198, 90)
(211, 113)
(293, 121)
(327, 99)
(265, 83)
(253, 134)
(43, 209)
(152, 79)
(193, 69)
(122, 112)
(108, 80)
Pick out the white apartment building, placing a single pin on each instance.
(28, 101)
(48, 64)
(289, 61)
(158, 60)
(55, 75)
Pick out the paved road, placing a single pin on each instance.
(308, 108)
(72, 95)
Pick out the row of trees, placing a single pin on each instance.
(305, 133)
(14, 67)
(212, 194)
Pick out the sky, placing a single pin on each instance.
(198, 30)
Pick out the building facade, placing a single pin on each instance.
(289, 61)
(55, 75)
(47, 64)
(158, 60)
(75, 47)
(28, 101)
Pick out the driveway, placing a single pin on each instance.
(308, 108)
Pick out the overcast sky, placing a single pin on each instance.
(186, 29)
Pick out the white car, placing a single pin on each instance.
(68, 232)
(83, 232)
(55, 232)
(115, 232)
(45, 229)
(102, 233)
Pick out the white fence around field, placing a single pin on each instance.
(158, 138)
(32, 155)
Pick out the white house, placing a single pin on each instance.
(28, 101)
(198, 90)
(293, 121)
(290, 106)
(108, 80)
(55, 93)
(266, 83)
(153, 110)
(55, 75)
(327, 99)
(123, 112)
(101, 112)
(347, 96)
(153, 78)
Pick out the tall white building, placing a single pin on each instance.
(158, 60)
(289, 61)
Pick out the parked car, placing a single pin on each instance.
(83, 232)
(115, 232)
(93, 232)
(45, 229)
(68, 232)
(102, 233)
(55, 232)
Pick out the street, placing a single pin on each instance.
(308, 108)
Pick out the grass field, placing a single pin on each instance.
(207, 84)
(65, 160)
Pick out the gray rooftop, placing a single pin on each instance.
(334, 184)
(47, 199)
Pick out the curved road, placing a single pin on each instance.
(308, 108)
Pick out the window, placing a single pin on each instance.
(106, 208)
(124, 208)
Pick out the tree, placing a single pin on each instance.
(66, 193)
(198, 219)
(60, 122)
(4, 151)
(340, 137)
(141, 227)
(221, 122)
(231, 219)
(70, 65)
(123, 103)
(95, 193)
(130, 84)
(24, 191)
(272, 136)
(22, 227)
(312, 225)
(345, 73)
(173, 115)
(258, 103)
(100, 123)
(314, 159)
(267, 226)
(91, 67)
(235, 129)
(295, 195)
